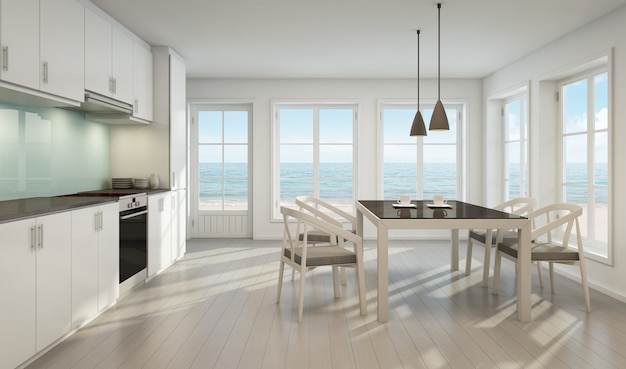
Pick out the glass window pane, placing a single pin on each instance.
(575, 159)
(236, 154)
(210, 154)
(513, 120)
(400, 154)
(236, 170)
(336, 170)
(601, 101)
(397, 125)
(439, 187)
(210, 195)
(394, 188)
(210, 127)
(236, 195)
(575, 106)
(336, 191)
(296, 125)
(601, 157)
(235, 126)
(336, 125)
(440, 161)
(576, 194)
(336, 153)
(290, 189)
(296, 170)
(602, 214)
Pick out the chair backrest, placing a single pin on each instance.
(518, 206)
(551, 219)
(326, 211)
(312, 222)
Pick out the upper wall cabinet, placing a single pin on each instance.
(19, 35)
(108, 59)
(62, 48)
(142, 82)
(43, 46)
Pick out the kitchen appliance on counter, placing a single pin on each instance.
(133, 243)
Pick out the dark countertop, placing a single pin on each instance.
(12, 210)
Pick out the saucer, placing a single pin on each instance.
(396, 205)
(438, 205)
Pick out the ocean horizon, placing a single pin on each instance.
(296, 179)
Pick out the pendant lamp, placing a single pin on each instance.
(439, 119)
(418, 128)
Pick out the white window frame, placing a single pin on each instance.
(316, 105)
(461, 154)
(194, 175)
(523, 142)
(590, 248)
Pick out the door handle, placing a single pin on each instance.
(40, 238)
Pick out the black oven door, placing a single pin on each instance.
(133, 242)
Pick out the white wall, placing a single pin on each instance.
(541, 69)
(367, 92)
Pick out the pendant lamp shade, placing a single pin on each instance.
(418, 128)
(439, 119)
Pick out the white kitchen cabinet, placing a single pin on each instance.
(62, 48)
(17, 273)
(142, 82)
(170, 110)
(95, 261)
(108, 59)
(109, 256)
(43, 46)
(36, 261)
(179, 224)
(19, 36)
(159, 232)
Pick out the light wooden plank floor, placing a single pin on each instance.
(216, 308)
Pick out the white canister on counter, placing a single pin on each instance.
(154, 181)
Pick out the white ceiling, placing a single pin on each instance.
(351, 38)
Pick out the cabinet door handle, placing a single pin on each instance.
(45, 72)
(114, 85)
(33, 238)
(40, 238)
(5, 58)
(136, 106)
(101, 220)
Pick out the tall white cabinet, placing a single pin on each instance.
(36, 290)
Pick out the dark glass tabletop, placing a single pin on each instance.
(384, 209)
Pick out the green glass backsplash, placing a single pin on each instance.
(51, 151)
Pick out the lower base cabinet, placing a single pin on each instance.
(35, 270)
(95, 261)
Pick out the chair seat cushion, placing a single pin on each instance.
(542, 252)
(481, 236)
(323, 255)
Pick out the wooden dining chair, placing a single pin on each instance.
(487, 237)
(302, 257)
(330, 213)
(550, 237)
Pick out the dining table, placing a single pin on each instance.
(454, 215)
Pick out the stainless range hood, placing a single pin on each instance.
(104, 109)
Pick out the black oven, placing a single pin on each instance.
(133, 241)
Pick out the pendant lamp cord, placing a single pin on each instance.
(418, 70)
(439, 51)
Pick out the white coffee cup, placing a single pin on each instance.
(439, 200)
(404, 200)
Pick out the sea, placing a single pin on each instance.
(336, 181)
